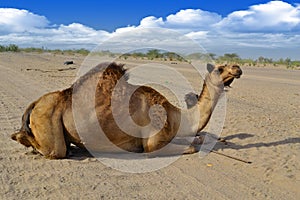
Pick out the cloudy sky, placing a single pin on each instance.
(250, 27)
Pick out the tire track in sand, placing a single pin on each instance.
(16, 92)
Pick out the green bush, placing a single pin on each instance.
(11, 47)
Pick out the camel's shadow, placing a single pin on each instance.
(76, 153)
(231, 145)
(82, 154)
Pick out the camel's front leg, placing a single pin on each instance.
(159, 145)
(50, 139)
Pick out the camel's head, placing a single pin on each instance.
(223, 74)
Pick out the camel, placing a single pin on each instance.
(48, 124)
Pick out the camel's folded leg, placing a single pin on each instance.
(51, 142)
(47, 129)
(176, 147)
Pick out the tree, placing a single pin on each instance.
(232, 56)
(212, 56)
(229, 57)
(288, 62)
(2, 48)
(261, 59)
(154, 53)
(12, 47)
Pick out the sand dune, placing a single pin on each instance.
(262, 126)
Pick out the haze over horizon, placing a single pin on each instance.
(249, 28)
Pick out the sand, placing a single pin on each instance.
(261, 126)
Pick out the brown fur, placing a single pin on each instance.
(48, 125)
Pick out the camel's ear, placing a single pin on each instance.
(210, 67)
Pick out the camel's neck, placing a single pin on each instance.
(207, 101)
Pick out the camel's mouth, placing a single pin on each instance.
(236, 75)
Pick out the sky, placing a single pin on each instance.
(250, 28)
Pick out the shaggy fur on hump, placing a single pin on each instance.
(109, 71)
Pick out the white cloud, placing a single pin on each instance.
(28, 29)
(133, 38)
(152, 21)
(197, 35)
(15, 20)
(77, 29)
(273, 16)
(124, 29)
(193, 18)
(184, 20)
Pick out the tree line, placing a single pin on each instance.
(167, 56)
(226, 58)
(15, 48)
(260, 61)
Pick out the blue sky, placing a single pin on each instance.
(249, 27)
(111, 14)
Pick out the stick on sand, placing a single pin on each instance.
(238, 159)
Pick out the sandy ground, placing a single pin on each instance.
(262, 126)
